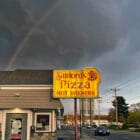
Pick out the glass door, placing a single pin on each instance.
(16, 126)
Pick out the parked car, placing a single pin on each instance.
(88, 126)
(102, 130)
(94, 126)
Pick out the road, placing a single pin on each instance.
(68, 134)
(114, 135)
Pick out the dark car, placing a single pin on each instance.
(102, 130)
(94, 126)
(88, 126)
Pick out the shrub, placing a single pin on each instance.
(124, 126)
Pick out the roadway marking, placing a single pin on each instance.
(125, 137)
(99, 138)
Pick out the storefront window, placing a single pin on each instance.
(43, 122)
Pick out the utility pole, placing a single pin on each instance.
(99, 115)
(81, 116)
(90, 113)
(116, 104)
(82, 111)
(75, 119)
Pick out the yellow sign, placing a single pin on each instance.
(76, 83)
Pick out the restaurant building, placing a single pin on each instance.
(27, 106)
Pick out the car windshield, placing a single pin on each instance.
(102, 128)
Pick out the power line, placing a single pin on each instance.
(125, 84)
(137, 97)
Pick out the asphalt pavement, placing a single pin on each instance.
(88, 134)
(67, 134)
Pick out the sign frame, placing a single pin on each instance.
(76, 83)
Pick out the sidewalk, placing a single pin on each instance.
(124, 131)
(84, 137)
(63, 135)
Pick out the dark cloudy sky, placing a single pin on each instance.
(73, 34)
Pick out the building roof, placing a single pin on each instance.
(26, 77)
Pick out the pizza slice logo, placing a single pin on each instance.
(92, 75)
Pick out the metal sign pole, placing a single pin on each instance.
(75, 117)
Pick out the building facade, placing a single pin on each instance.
(27, 106)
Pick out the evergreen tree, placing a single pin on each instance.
(122, 107)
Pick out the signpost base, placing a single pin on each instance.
(75, 119)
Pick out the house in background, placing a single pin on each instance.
(27, 106)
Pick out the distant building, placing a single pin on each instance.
(27, 106)
(86, 108)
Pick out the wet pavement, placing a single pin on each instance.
(69, 135)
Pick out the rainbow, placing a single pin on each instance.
(29, 33)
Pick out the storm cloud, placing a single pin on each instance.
(73, 31)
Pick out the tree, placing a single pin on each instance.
(122, 108)
(134, 117)
(111, 115)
